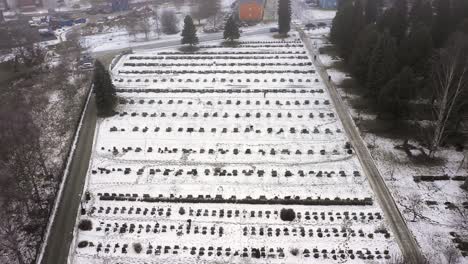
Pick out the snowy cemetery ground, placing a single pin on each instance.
(435, 208)
(208, 150)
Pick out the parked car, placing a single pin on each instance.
(310, 25)
(272, 30)
(86, 66)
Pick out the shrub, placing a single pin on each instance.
(287, 214)
(85, 225)
(181, 211)
(294, 251)
(83, 244)
(137, 247)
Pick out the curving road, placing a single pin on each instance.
(408, 245)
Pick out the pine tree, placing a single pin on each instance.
(459, 11)
(189, 33)
(362, 52)
(231, 30)
(284, 16)
(441, 29)
(383, 63)
(421, 12)
(372, 10)
(463, 27)
(395, 95)
(395, 20)
(416, 49)
(339, 24)
(347, 24)
(398, 30)
(104, 89)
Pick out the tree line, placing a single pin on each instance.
(35, 136)
(410, 52)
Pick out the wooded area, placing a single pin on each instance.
(413, 52)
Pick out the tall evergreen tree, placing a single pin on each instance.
(459, 11)
(398, 30)
(341, 21)
(372, 10)
(395, 20)
(395, 95)
(362, 52)
(383, 63)
(416, 49)
(347, 24)
(189, 33)
(104, 90)
(231, 30)
(284, 16)
(463, 27)
(441, 29)
(421, 12)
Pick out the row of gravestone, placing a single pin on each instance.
(225, 172)
(202, 72)
(222, 80)
(228, 102)
(315, 216)
(235, 130)
(248, 252)
(210, 64)
(219, 91)
(223, 151)
(238, 52)
(256, 56)
(215, 115)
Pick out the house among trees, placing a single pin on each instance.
(328, 4)
(250, 10)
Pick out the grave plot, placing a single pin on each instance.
(227, 156)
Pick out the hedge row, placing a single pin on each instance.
(247, 200)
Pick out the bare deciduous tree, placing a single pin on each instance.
(415, 205)
(10, 241)
(169, 22)
(450, 82)
(452, 255)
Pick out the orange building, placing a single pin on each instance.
(251, 10)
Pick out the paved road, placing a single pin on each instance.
(176, 42)
(408, 245)
(61, 233)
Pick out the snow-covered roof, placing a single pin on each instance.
(259, 2)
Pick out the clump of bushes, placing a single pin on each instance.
(85, 225)
(287, 214)
(137, 247)
(294, 251)
(83, 244)
(181, 211)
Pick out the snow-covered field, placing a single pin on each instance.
(208, 148)
(440, 207)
